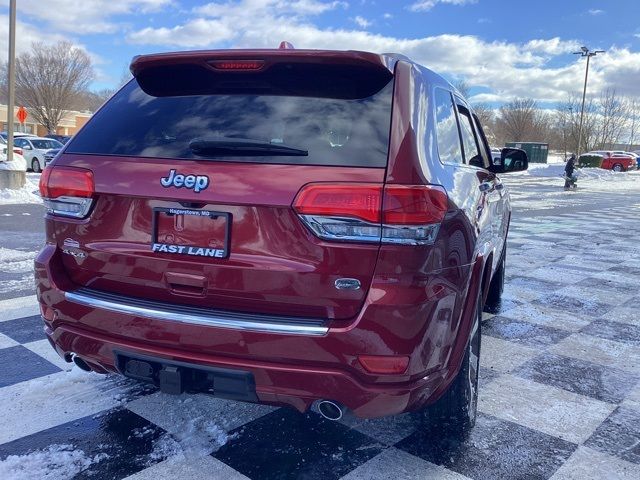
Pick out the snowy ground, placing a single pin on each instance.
(26, 194)
(559, 393)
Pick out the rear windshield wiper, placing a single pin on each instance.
(227, 146)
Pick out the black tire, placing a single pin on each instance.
(35, 165)
(618, 168)
(456, 411)
(496, 287)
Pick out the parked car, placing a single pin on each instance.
(621, 153)
(34, 150)
(16, 134)
(61, 138)
(19, 163)
(3, 146)
(261, 225)
(617, 163)
(50, 155)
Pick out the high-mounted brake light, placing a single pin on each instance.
(237, 65)
(399, 214)
(67, 191)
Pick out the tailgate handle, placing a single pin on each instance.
(186, 284)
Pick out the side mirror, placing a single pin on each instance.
(511, 160)
(27, 147)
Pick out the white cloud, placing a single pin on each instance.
(541, 68)
(82, 16)
(426, 5)
(552, 46)
(197, 33)
(595, 11)
(26, 34)
(362, 22)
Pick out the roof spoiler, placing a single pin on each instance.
(268, 57)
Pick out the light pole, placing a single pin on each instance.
(11, 74)
(584, 52)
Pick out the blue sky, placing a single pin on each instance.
(503, 49)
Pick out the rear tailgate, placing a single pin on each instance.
(158, 230)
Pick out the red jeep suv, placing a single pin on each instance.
(318, 229)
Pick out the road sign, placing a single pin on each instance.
(22, 114)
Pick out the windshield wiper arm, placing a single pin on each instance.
(242, 146)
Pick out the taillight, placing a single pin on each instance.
(17, 150)
(67, 191)
(401, 214)
(412, 214)
(356, 200)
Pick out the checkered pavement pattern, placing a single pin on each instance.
(559, 390)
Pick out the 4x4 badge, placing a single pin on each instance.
(195, 182)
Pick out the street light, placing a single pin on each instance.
(11, 69)
(584, 52)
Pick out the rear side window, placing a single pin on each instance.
(165, 124)
(471, 151)
(447, 128)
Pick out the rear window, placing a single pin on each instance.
(332, 131)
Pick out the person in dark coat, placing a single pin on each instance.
(568, 172)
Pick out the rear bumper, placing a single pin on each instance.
(276, 384)
(289, 369)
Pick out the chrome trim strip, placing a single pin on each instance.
(211, 319)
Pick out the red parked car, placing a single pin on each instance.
(318, 229)
(616, 161)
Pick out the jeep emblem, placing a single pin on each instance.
(195, 182)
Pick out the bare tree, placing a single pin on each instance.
(463, 88)
(485, 114)
(633, 122)
(517, 120)
(567, 119)
(613, 114)
(93, 99)
(50, 79)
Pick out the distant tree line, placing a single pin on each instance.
(609, 119)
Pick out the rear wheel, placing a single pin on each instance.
(456, 411)
(35, 165)
(617, 168)
(496, 287)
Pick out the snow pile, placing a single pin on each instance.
(22, 195)
(18, 164)
(16, 261)
(56, 462)
(550, 170)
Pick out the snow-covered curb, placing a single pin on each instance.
(18, 164)
(22, 195)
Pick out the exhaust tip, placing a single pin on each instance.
(82, 365)
(330, 410)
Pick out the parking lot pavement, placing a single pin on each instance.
(559, 392)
